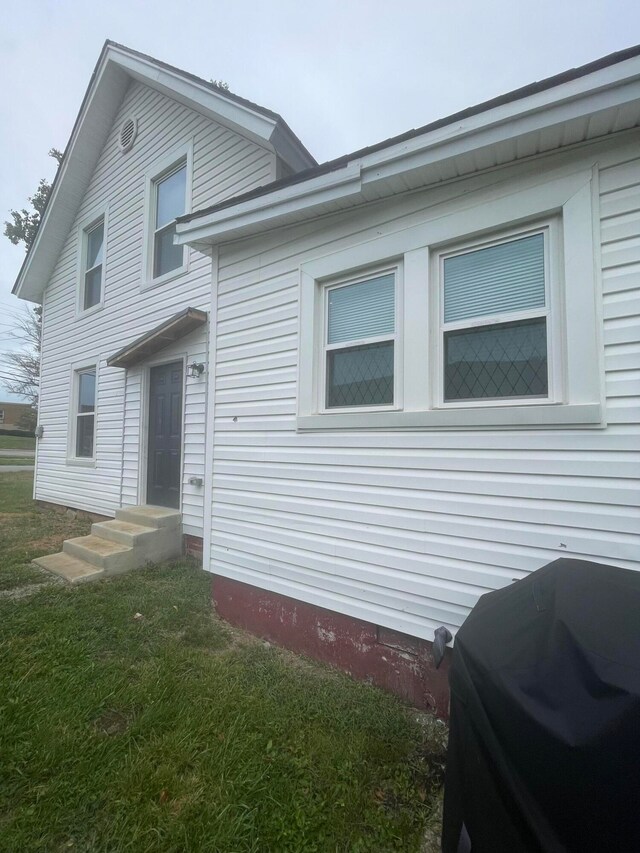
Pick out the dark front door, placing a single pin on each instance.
(165, 435)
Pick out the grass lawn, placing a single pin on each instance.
(16, 460)
(131, 719)
(16, 442)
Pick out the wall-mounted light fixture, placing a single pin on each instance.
(195, 369)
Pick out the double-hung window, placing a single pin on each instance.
(495, 335)
(84, 412)
(169, 194)
(479, 315)
(92, 265)
(359, 345)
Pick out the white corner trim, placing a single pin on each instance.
(210, 407)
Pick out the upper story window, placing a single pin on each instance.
(169, 202)
(360, 343)
(84, 412)
(494, 328)
(92, 264)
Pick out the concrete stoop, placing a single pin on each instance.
(138, 535)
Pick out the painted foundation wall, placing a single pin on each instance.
(406, 529)
(395, 662)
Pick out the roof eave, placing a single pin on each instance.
(77, 166)
(607, 88)
(114, 70)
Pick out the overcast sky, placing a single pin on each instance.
(343, 73)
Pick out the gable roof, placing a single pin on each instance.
(560, 100)
(116, 67)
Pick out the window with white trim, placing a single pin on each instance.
(496, 319)
(359, 342)
(84, 412)
(169, 199)
(495, 337)
(92, 264)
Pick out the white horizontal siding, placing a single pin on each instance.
(224, 164)
(407, 529)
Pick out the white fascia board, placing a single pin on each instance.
(289, 148)
(608, 88)
(310, 194)
(80, 158)
(196, 95)
(463, 139)
(558, 97)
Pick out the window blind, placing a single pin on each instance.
(362, 310)
(495, 280)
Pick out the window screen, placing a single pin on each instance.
(485, 359)
(170, 201)
(361, 374)
(94, 249)
(85, 412)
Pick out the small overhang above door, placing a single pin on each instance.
(151, 342)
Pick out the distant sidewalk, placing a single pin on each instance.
(14, 454)
(13, 469)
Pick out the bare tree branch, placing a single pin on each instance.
(22, 366)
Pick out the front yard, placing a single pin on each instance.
(16, 442)
(132, 719)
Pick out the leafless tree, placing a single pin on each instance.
(20, 371)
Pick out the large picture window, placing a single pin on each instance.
(495, 341)
(360, 342)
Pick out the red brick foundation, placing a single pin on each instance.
(192, 546)
(393, 661)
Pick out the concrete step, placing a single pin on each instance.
(138, 535)
(102, 553)
(123, 532)
(150, 516)
(70, 568)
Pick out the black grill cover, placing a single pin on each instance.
(544, 749)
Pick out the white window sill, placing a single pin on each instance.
(81, 461)
(163, 279)
(87, 312)
(500, 417)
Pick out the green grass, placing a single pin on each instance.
(16, 460)
(16, 442)
(27, 532)
(131, 719)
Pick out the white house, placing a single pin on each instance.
(373, 389)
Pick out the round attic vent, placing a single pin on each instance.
(128, 133)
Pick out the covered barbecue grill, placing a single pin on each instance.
(544, 750)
